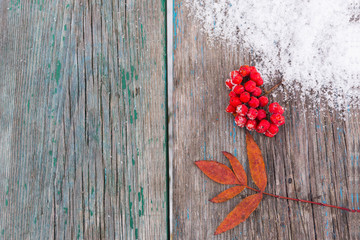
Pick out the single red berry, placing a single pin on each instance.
(230, 109)
(245, 97)
(263, 126)
(277, 119)
(229, 84)
(280, 110)
(232, 94)
(273, 129)
(242, 110)
(268, 134)
(255, 76)
(252, 113)
(235, 101)
(253, 69)
(254, 102)
(263, 101)
(239, 89)
(256, 92)
(250, 86)
(259, 81)
(240, 120)
(251, 125)
(235, 77)
(274, 107)
(244, 70)
(261, 114)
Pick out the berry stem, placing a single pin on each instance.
(273, 88)
(305, 201)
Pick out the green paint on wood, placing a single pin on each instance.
(141, 200)
(2, 232)
(68, 5)
(57, 72)
(92, 190)
(55, 161)
(78, 234)
(135, 114)
(130, 209)
(6, 202)
(28, 105)
(65, 210)
(123, 80)
(65, 27)
(50, 153)
(25, 186)
(136, 233)
(133, 161)
(91, 213)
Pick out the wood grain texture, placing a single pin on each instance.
(314, 157)
(83, 119)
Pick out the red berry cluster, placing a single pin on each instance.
(247, 104)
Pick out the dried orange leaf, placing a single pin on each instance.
(240, 213)
(218, 172)
(237, 168)
(228, 194)
(256, 163)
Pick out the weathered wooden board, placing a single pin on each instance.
(314, 157)
(83, 119)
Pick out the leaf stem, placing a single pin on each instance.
(305, 201)
(273, 88)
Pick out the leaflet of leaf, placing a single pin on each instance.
(218, 172)
(237, 168)
(240, 213)
(227, 194)
(256, 163)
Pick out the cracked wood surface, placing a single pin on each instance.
(83, 121)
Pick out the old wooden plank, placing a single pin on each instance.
(83, 120)
(314, 157)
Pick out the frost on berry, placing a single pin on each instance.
(240, 120)
(230, 109)
(250, 86)
(277, 119)
(229, 84)
(235, 101)
(268, 134)
(251, 125)
(257, 92)
(263, 101)
(242, 110)
(238, 89)
(245, 97)
(235, 77)
(263, 126)
(252, 113)
(261, 114)
(254, 102)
